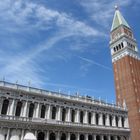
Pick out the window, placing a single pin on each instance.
(72, 116)
(89, 117)
(43, 109)
(54, 113)
(31, 110)
(97, 119)
(81, 117)
(18, 108)
(5, 107)
(104, 119)
(63, 114)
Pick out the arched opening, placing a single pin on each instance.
(41, 136)
(31, 110)
(63, 114)
(97, 137)
(63, 136)
(5, 107)
(104, 119)
(72, 116)
(105, 138)
(18, 108)
(118, 138)
(110, 120)
(89, 137)
(97, 119)
(112, 138)
(72, 137)
(81, 116)
(122, 45)
(89, 117)
(54, 113)
(117, 120)
(123, 121)
(119, 46)
(114, 49)
(52, 136)
(82, 137)
(43, 109)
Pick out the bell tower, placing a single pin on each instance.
(126, 64)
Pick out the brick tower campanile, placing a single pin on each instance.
(126, 64)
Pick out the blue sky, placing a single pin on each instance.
(62, 45)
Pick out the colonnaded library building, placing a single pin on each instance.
(31, 113)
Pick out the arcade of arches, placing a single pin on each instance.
(37, 110)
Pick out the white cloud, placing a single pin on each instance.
(101, 11)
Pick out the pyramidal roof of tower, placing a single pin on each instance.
(118, 20)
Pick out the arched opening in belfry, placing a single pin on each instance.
(122, 121)
(82, 137)
(98, 137)
(110, 120)
(81, 116)
(73, 116)
(89, 117)
(97, 118)
(63, 136)
(104, 119)
(52, 136)
(117, 120)
(43, 109)
(31, 110)
(89, 137)
(105, 138)
(41, 136)
(18, 108)
(53, 112)
(5, 107)
(63, 114)
(72, 137)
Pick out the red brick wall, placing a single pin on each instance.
(127, 83)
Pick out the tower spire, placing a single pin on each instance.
(118, 19)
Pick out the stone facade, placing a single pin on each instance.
(55, 116)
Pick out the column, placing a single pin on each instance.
(68, 115)
(58, 136)
(11, 107)
(8, 134)
(86, 136)
(93, 118)
(100, 119)
(36, 133)
(126, 123)
(68, 136)
(114, 121)
(77, 137)
(119, 122)
(109, 138)
(77, 116)
(1, 103)
(85, 117)
(107, 120)
(37, 108)
(49, 112)
(94, 137)
(47, 135)
(115, 138)
(22, 135)
(25, 109)
(102, 138)
(59, 113)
